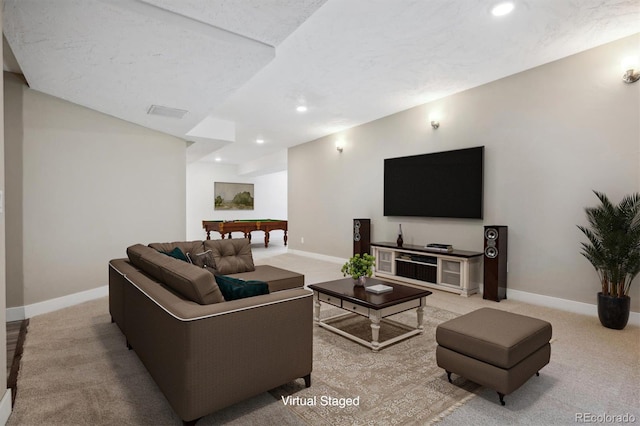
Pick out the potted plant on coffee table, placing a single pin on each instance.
(613, 248)
(359, 267)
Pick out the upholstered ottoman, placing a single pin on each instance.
(497, 349)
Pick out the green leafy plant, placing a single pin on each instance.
(359, 266)
(614, 242)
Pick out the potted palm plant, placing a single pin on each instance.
(359, 267)
(613, 248)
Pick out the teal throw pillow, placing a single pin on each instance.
(235, 288)
(177, 253)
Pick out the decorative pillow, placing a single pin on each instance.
(235, 288)
(203, 260)
(232, 256)
(176, 253)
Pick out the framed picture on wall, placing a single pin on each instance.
(233, 196)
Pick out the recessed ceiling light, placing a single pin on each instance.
(218, 159)
(301, 108)
(259, 140)
(502, 9)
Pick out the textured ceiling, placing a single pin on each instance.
(243, 66)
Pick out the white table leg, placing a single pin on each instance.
(316, 307)
(375, 318)
(421, 314)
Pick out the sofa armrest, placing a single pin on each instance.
(187, 310)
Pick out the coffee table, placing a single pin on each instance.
(344, 294)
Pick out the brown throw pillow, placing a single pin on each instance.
(203, 260)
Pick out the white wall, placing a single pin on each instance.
(82, 186)
(551, 135)
(270, 199)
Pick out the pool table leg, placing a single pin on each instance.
(266, 238)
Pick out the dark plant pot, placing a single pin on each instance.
(613, 312)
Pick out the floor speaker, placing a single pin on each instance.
(361, 236)
(495, 262)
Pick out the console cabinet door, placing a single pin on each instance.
(450, 272)
(384, 261)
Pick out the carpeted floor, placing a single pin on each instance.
(76, 370)
(401, 384)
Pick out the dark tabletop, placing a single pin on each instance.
(422, 249)
(346, 290)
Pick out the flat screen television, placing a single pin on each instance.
(440, 184)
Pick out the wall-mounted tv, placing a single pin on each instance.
(440, 184)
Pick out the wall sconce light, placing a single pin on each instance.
(630, 68)
(339, 146)
(435, 124)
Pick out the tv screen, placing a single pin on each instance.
(440, 184)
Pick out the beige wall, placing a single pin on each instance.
(551, 135)
(81, 187)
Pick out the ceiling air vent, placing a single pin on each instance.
(166, 111)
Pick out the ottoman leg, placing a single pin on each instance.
(449, 376)
(501, 395)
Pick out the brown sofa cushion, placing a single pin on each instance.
(277, 278)
(185, 246)
(190, 281)
(231, 256)
(496, 337)
(135, 254)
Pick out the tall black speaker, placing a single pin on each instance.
(495, 262)
(361, 236)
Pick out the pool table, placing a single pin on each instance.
(245, 226)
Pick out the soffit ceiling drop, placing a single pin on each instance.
(247, 64)
(121, 57)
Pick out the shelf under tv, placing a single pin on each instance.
(457, 271)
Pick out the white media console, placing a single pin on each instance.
(458, 271)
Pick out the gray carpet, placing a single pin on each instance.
(401, 384)
(76, 370)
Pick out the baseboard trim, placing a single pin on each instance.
(5, 407)
(29, 311)
(15, 314)
(563, 304)
(318, 256)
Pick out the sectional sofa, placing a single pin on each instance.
(205, 352)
